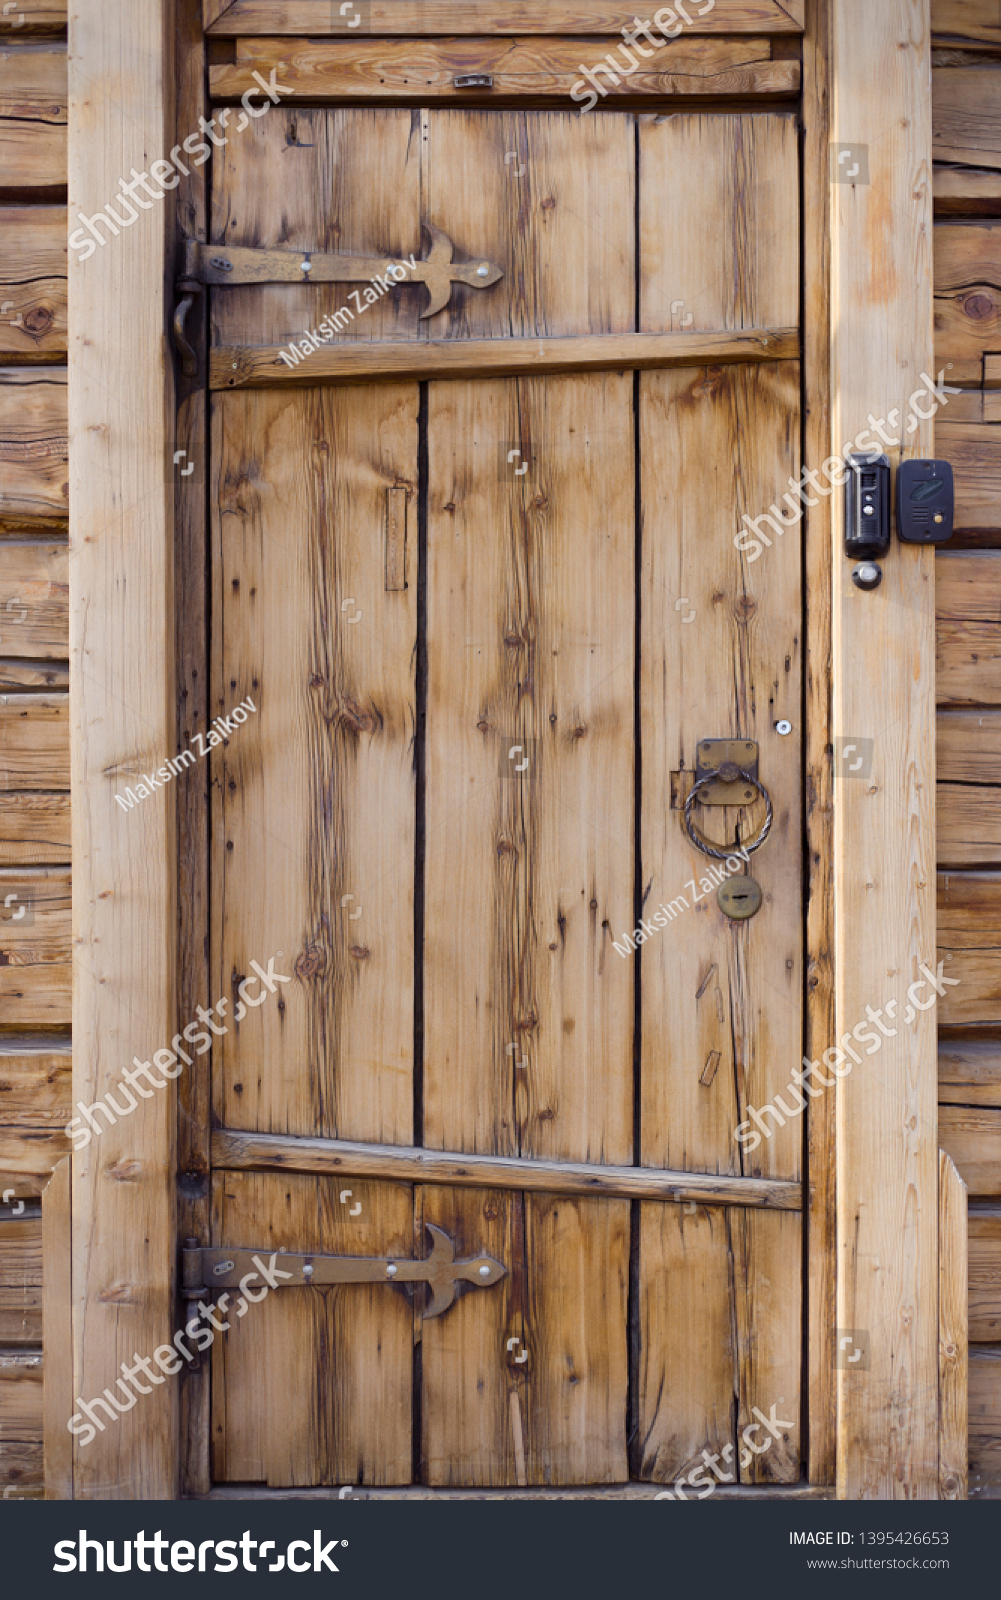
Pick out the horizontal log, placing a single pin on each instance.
(35, 1081)
(966, 19)
(968, 746)
(971, 1135)
(418, 72)
(752, 1494)
(966, 192)
(28, 1157)
(969, 941)
(382, 17)
(238, 366)
(21, 1281)
(34, 829)
(34, 598)
(20, 1394)
(968, 825)
(975, 454)
(33, 281)
(22, 1469)
(34, 443)
(33, 115)
(966, 115)
(984, 1236)
(985, 1419)
(967, 279)
(34, 741)
(968, 628)
(36, 949)
(969, 1072)
(263, 1152)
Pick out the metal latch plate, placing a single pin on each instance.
(712, 756)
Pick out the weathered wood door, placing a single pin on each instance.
(484, 622)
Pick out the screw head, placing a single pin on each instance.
(391, 1270)
(484, 1272)
(867, 575)
(483, 271)
(783, 727)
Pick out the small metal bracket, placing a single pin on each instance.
(729, 758)
(473, 80)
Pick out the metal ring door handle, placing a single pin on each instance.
(706, 845)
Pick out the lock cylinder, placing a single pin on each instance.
(867, 506)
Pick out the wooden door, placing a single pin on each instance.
(484, 622)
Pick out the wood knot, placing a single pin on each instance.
(506, 848)
(979, 307)
(359, 952)
(312, 963)
(513, 640)
(38, 321)
(483, 725)
(316, 681)
(579, 732)
(744, 608)
(125, 1171)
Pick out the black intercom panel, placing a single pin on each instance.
(925, 502)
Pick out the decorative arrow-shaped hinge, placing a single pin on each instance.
(206, 1269)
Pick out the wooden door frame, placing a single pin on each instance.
(123, 108)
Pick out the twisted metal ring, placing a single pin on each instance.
(705, 845)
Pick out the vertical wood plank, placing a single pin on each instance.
(313, 1386)
(719, 1319)
(821, 553)
(57, 1333)
(529, 865)
(887, 1134)
(314, 826)
(716, 443)
(526, 1382)
(121, 652)
(953, 1316)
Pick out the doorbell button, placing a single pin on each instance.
(867, 575)
(925, 502)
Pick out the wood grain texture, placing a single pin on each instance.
(967, 290)
(34, 598)
(966, 191)
(35, 1080)
(985, 1419)
(885, 830)
(263, 1152)
(972, 1137)
(969, 943)
(966, 19)
(36, 949)
(28, 1157)
(422, 73)
(34, 829)
(735, 262)
(564, 1302)
(122, 700)
(34, 741)
(985, 1274)
(362, 182)
(969, 746)
(968, 826)
(969, 1072)
(528, 875)
(22, 1472)
(953, 1332)
(966, 125)
(717, 443)
(40, 16)
(33, 114)
(21, 1282)
(820, 1444)
(57, 1339)
(719, 1302)
(261, 366)
(313, 1386)
(489, 17)
(20, 1395)
(34, 443)
(968, 629)
(313, 842)
(975, 454)
(33, 282)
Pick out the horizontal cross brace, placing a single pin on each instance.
(262, 1152)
